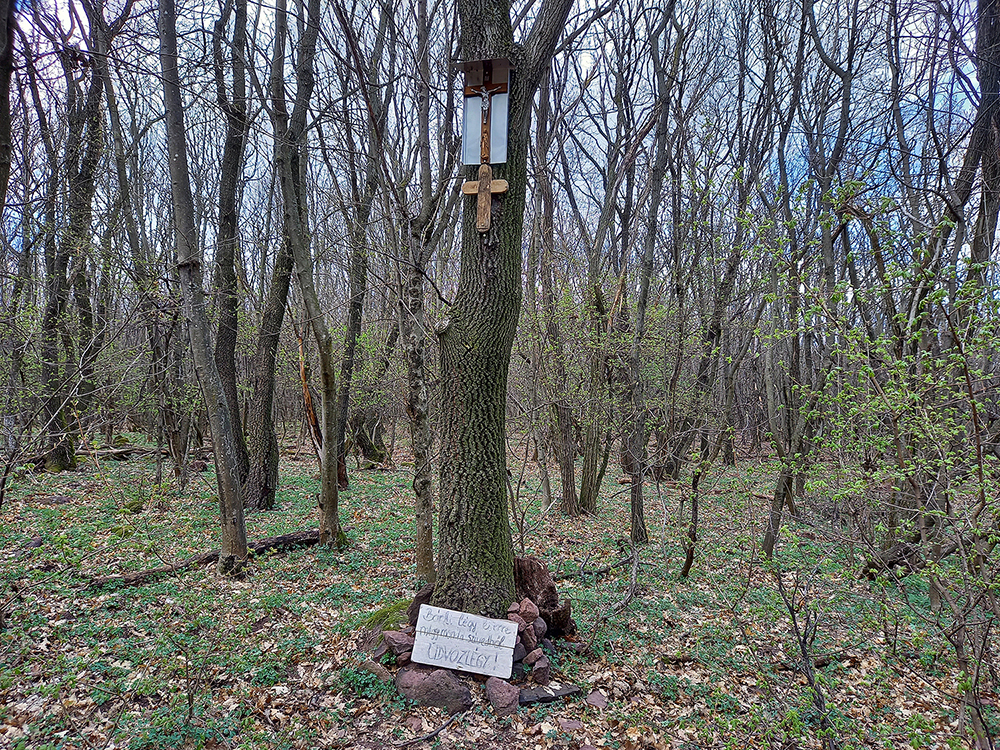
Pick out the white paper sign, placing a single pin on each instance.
(458, 640)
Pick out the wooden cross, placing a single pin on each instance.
(486, 187)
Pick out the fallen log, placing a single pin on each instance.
(274, 543)
(901, 559)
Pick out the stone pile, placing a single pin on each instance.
(540, 618)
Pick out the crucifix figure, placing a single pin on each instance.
(482, 82)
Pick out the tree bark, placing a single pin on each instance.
(262, 440)
(565, 441)
(234, 107)
(412, 326)
(8, 25)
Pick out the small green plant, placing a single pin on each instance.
(667, 685)
(365, 684)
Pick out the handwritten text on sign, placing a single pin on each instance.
(458, 640)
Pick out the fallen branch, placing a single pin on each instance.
(907, 557)
(430, 736)
(274, 543)
(629, 594)
(594, 572)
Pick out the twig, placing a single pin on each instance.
(430, 736)
(596, 571)
(629, 594)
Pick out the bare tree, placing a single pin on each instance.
(233, 552)
(289, 155)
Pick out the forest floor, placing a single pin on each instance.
(272, 661)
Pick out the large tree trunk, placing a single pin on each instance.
(233, 550)
(475, 569)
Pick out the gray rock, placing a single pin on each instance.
(540, 628)
(503, 696)
(376, 669)
(519, 651)
(547, 694)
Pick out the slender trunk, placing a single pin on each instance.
(564, 438)
(412, 330)
(358, 275)
(262, 441)
(8, 25)
(638, 436)
(289, 131)
(596, 442)
(189, 266)
(227, 237)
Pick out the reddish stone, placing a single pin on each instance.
(533, 656)
(397, 642)
(439, 688)
(597, 699)
(541, 672)
(528, 610)
(503, 696)
(529, 639)
(521, 624)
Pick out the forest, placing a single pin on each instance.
(664, 330)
